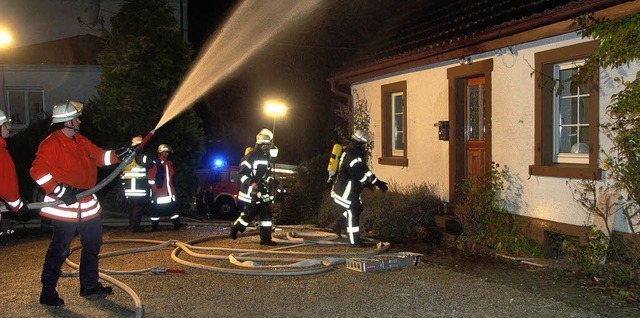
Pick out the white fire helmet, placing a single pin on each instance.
(265, 136)
(164, 148)
(136, 141)
(360, 135)
(3, 118)
(66, 112)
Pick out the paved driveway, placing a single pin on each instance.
(444, 284)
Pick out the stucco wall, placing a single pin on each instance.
(513, 86)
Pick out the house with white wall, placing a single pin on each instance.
(457, 87)
(53, 53)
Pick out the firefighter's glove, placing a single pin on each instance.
(381, 185)
(122, 153)
(66, 194)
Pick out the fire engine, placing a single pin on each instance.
(217, 193)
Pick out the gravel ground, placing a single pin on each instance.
(444, 284)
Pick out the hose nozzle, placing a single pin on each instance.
(145, 140)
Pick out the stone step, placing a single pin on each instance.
(448, 222)
(439, 235)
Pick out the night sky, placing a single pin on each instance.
(295, 65)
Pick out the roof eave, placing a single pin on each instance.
(545, 26)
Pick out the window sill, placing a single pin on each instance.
(394, 161)
(574, 171)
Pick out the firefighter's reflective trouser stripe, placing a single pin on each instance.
(165, 209)
(352, 213)
(343, 199)
(261, 209)
(63, 232)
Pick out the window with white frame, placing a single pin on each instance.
(566, 115)
(570, 116)
(397, 110)
(25, 106)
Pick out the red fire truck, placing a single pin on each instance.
(217, 193)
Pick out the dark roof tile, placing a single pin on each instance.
(422, 25)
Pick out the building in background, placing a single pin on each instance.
(456, 87)
(53, 53)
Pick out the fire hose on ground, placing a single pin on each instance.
(298, 263)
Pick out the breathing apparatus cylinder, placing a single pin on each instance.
(248, 150)
(334, 161)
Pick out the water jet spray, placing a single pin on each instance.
(247, 31)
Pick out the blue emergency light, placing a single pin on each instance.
(217, 163)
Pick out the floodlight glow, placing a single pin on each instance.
(275, 108)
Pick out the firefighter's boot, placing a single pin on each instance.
(237, 226)
(50, 298)
(177, 224)
(154, 226)
(355, 241)
(97, 290)
(265, 236)
(338, 226)
(234, 232)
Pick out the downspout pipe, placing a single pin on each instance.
(335, 90)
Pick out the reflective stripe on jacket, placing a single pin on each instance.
(353, 174)
(255, 168)
(162, 188)
(134, 179)
(70, 162)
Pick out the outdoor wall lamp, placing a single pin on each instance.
(464, 60)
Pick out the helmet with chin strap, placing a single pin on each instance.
(65, 112)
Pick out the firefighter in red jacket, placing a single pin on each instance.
(160, 177)
(66, 164)
(9, 191)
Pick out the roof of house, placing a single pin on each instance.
(77, 50)
(420, 28)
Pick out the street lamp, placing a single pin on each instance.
(274, 109)
(5, 39)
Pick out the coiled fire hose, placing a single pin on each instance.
(238, 256)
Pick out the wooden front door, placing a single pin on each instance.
(470, 122)
(475, 127)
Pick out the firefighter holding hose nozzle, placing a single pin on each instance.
(66, 164)
(255, 175)
(352, 177)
